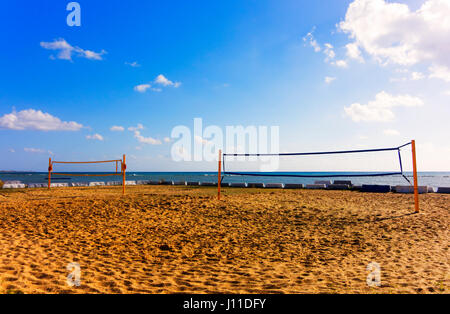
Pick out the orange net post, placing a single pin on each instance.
(124, 168)
(416, 184)
(219, 174)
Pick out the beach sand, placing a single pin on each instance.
(168, 239)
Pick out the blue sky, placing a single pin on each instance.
(285, 63)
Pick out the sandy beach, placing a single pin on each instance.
(168, 239)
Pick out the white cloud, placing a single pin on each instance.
(340, 63)
(353, 52)
(116, 128)
(162, 80)
(133, 64)
(36, 120)
(329, 52)
(59, 44)
(35, 150)
(167, 140)
(90, 54)
(95, 137)
(440, 72)
(135, 128)
(415, 76)
(380, 109)
(159, 80)
(12, 150)
(329, 79)
(393, 34)
(309, 38)
(66, 50)
(447, 92)
(142, 88)
(146, 140)
(142, 139)
(391, 132)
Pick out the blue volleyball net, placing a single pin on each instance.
(398, 149)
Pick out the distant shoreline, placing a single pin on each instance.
(14, 171)
(433, 179)
(193, 172)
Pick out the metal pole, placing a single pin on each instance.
(124, 168)
(416, 184)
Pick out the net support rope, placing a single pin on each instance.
(398, 149)
(87, 162)
(123, 168)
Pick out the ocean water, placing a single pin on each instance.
(433, 179)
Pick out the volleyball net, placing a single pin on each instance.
(120, 165)
(327, 159)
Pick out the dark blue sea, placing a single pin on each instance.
(433, 179)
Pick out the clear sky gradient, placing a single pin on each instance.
(326, 84)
